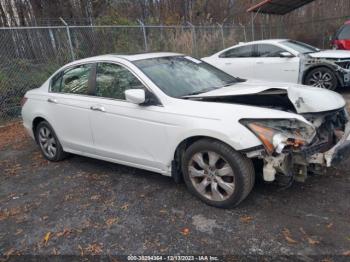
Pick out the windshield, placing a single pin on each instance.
(344, 32)
(179, 76)
(300, 47)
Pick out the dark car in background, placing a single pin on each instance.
(342, 37)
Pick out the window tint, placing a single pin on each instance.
(344, 33)
(243, 51)
(74, 80)
(112, 80)
(266, 50)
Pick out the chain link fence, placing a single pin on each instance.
(29, 55)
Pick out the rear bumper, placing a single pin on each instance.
(29, 130)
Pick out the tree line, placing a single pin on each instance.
(166, 12)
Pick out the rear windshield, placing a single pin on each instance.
(344, 33)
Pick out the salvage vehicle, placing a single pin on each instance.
(181, 117)
(283, 60)
(342, 37)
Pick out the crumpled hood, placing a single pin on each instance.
(305, 99)
(331, 54)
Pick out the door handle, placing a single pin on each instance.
(52, 100)
(260, 63)
(98, 108)
(228, 63)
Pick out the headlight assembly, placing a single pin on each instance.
(276, 134)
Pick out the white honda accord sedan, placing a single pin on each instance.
(181, 117)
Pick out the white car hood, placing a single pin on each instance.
(331, 54)
(305, 99)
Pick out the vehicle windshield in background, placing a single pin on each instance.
(300, 47)
(343, 33)
(179, 76)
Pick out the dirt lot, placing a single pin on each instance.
(85, 206)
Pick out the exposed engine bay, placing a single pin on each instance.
(291, 147)
(272, 98)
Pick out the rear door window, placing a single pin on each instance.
(73, 80)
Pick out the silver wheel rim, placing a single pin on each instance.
(322, 80)
(211, 176)
(47, 142)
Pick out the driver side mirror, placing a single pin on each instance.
(135, 96)
(286, 55)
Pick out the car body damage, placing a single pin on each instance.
(292, 148)
(181, 117)
(341, 66)
(284, 96)
(285, 60)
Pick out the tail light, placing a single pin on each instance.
(23, 101)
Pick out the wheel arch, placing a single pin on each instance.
(330, 67)
(36, 121)
(182, 146)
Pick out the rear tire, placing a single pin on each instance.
(48, 142)
(217, 174)
(322, 77)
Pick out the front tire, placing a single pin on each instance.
(48, 142)
(322, 77)
(217, 174)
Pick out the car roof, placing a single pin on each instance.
(132, 57)
(267, 41)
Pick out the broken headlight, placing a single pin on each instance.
(344, 64)
(277, 134)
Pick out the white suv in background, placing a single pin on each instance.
(181, 117)
(283, 60)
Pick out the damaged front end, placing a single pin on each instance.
(341, 67)
(293, 148)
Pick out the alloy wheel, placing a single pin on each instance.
(47, 142)
(211, 176)
(322, 80)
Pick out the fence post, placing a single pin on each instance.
(222, 34)
(144, 34)
(69, 39)
(194, 42)
(253, 28)
(244, 32)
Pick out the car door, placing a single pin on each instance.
(272, 66)
(68, 105)
(237, 61)
(123, 131)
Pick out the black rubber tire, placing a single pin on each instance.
(60, 154)
(334, 82)
(242, 167)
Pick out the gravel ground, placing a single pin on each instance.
(85, 206)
